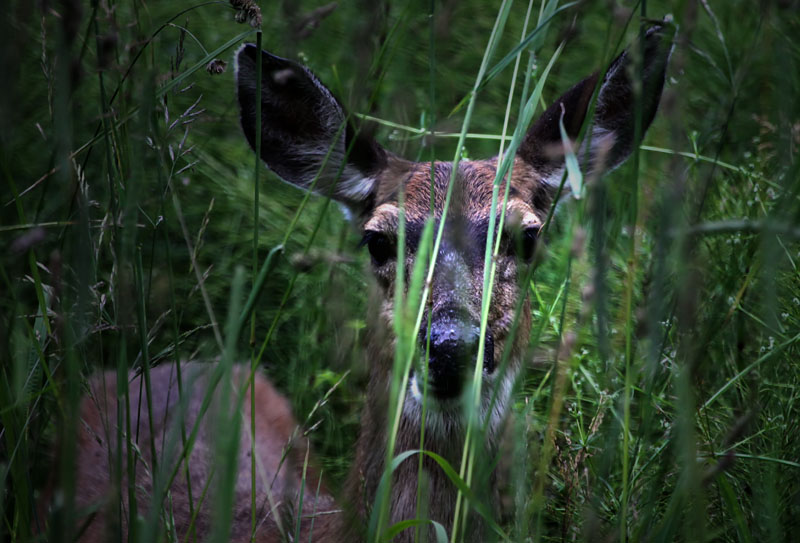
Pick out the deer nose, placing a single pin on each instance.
(453, 347)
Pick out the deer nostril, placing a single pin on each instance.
(488, 353)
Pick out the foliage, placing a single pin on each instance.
(662, 395)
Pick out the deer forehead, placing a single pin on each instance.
(471, 198)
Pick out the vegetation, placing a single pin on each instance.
(661, 399)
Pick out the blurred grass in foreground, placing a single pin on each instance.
(128, 205)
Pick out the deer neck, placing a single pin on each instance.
(417, 491)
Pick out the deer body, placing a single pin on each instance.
(275, 426)
(308, 140)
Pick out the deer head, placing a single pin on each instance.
(308, 139)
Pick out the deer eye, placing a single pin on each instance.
(381, 247)
(523, 243)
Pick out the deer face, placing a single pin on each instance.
(307, 139)
(450, 332)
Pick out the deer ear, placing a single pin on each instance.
(305, 133)
(612, 134)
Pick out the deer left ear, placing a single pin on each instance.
(306, 137)
(611, 137)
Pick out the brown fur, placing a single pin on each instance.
(274, 430)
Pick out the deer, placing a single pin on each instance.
(308, 140)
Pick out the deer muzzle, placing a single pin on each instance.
(454, 346)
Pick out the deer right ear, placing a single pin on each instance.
(305, 134)
(613, 128)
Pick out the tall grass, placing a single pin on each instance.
(660, 395)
